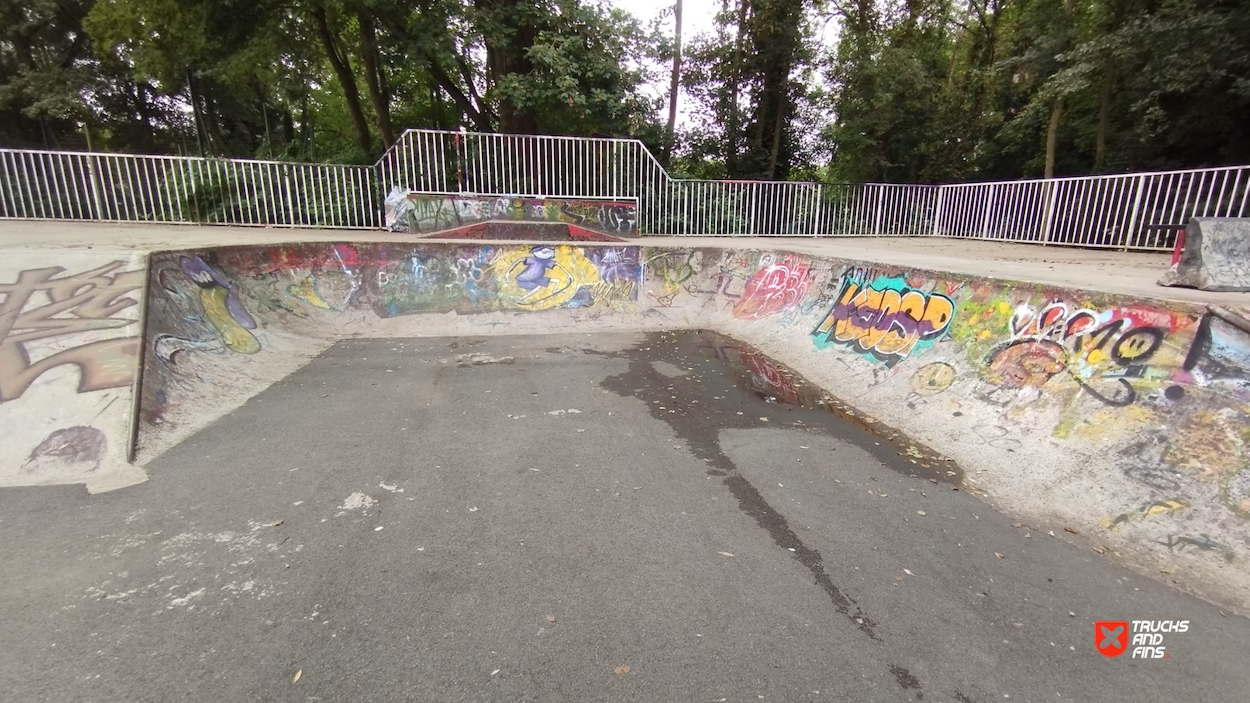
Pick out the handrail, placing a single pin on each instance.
(1133, 211)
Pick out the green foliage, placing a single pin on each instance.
(314, 79)
(911, 90)
(928, 91)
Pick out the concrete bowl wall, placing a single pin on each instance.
(1114, 423)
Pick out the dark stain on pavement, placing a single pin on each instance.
(904, 677)
(728, 385)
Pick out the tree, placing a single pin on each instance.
(674, 84)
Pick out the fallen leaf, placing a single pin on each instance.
(1018, 624)
(909, 573)
(621, 670)
(1069, 529)
(551, 618)
(920, 512)
(998, 554)
(297, 675)
(275, 524)
(725, 554)
(496, 671)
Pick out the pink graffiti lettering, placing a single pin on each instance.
(773, 289)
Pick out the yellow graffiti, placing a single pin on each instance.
(1148, 510)
(307, 292)
(232, 333)
(543, 278)
(615, 296)
(933, 378)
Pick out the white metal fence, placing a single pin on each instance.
(57, 185)
(1135, 211)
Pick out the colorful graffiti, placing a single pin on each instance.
(1099, 350)
(44, 306)
(432, 213)
(886, 319)
(776, 287)
(544, 277)
(222, 307)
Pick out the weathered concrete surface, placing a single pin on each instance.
(1122, 419)
(397, 520)
(1216, 255)
(69, 355)
(1097, 270)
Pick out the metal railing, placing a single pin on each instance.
(57, 185)
(1136, 211)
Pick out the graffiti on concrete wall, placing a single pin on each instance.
(56, 311)
(885, 319)
(1100, 350)
(778, 286)
(545, 277)
(222, 306)
(433, 213)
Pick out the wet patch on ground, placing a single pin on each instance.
(701, 382)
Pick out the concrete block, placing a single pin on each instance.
(1216, 256)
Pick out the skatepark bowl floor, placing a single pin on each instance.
(607, 517)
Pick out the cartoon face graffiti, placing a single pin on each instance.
(546, 277)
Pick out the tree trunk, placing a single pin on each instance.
(735, 78)
(778, 128)
(343, 70)
(1052, 137)
(378, 96)
(1104, 114)
(674, 85)
(507, 54)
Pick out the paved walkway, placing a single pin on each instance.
(1125, 273)
(615, 517)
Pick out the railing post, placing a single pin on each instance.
(1048, 220)
(95, 189)
(876, 219)
(290, 201)
(818, 206)
(989, 211)
(937, 210)
(1136, 212)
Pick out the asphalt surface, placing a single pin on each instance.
(603, 518)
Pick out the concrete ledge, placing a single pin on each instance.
(1216, 256)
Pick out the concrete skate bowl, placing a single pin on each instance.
(1123, 420)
